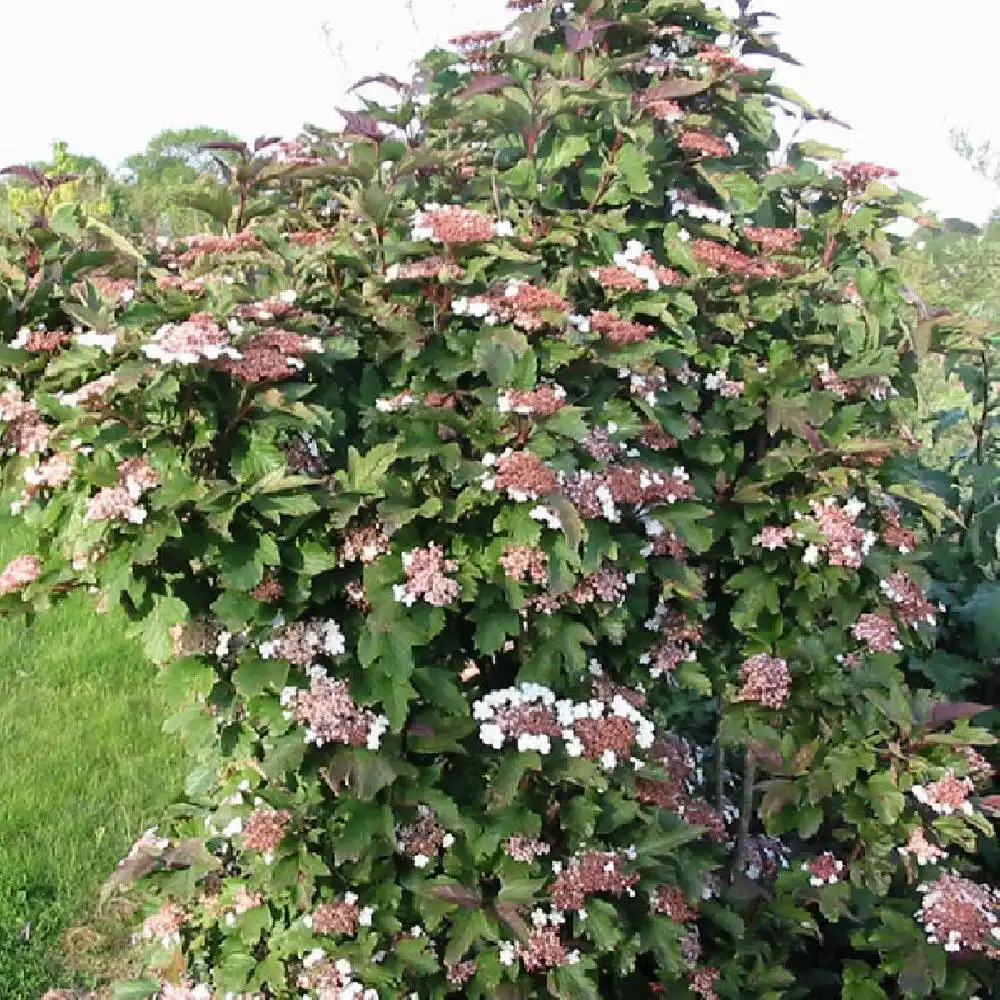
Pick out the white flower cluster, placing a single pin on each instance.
(646, 387)
(581, 323)
(331, 637)
(394, 403)
(508, 701)
(351, 988)
(547, 516)
(680, 204)
(628, 260)
(195, 348)
(107, 342)
(478, 310)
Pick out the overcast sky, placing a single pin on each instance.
(105, 75)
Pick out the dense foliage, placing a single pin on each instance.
(520, 498)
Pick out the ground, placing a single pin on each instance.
(84, 769)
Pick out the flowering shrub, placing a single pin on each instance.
(539, 589)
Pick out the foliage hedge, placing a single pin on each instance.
(520, 502)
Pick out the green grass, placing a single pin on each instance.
(84, 769)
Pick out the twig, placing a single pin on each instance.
(746, 813)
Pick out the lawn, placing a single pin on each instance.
(84, 769)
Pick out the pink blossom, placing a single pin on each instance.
(18, 573)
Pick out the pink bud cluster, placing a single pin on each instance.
(826, 869)
(859, 175)
(961, 915)
(331, 715)
(365, 543)
(766, 680)
(430, 269)
(721, 59)
(598, 494)
(541, 402)
(426, 578)
(672, 903)
(18, 573)
(618, 330)
(337, 917)
(655, 438)
(911, 602)
(265, 829)
(542, 951)
(311, 237)
(878, 632)
(280, 307)
(843, 543)
(273, 356)
(774, 240)
(895, 535)
(590, 874)
(121, 502)
(40, 341)
(525, 305)
(705, 143)
(199, 338)
(91, 391)
(949, 794)
(725, 386)
(165, 925)
(702, 982)
(424, 839)
(921, 849)
(772, 537)
(326, 979)
(302, 642)
(27, 434)
(724, 258)
(455, 226)
(521, 474)
(525, 562)
(978, 768)
(187, 250)
(526, 849)
(677, 638)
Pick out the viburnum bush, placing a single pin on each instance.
(516, 500)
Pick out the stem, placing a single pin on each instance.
(980, 430)
(746, 812)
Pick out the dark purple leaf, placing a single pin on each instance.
(811, 436)
(385, 79)
(231, 147)
(59, 179)
(419, 729)
(358, 124)
(945, 711)
(991, 803)
(507, 912)
(29, 174)
(264, 141)
(468, 899)
(487, 85)
(577, 39)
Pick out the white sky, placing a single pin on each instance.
(105, 75)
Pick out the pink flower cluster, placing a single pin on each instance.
(843, 543)
(91, 391)
(331, 715)
(455, 226)
(961, 915)
(590, 874)
(337, 917)
(618, 330)
(280, 307)
(187, 250)
(121, 502)
(429, 269)
(273, 356)
(525, 305)
(676, 639)
(40, 341)
(18, 573)
(521, 474)
(772, 537)
(27, 434)
(672, 903)
(947, 795)
(702, 981)
(859, 175)
(326, 979)
(724, 258)
(766, 680)
(198, 338)
(542, 951)
(426, 578)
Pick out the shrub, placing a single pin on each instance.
(515, 502)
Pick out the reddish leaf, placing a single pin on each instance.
(358, 124)
(28, 174)
(768, 756)
(232, 147)
(507, 912)
(468, 899)
(991, 803)
(945, 711)
(671, 89)
(262, 142)
(577, 39)
(385, 79)
(59, 179)
(487, 85)
(811, 436)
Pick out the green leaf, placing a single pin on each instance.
(886, 799)
(134, 989)
(154, 629)
(571, 982)
(255, 675)
(633, 166)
